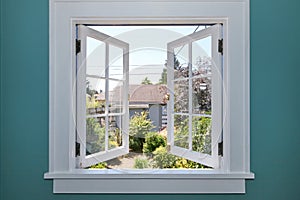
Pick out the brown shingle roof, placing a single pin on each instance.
(145, 94)
(149, 94)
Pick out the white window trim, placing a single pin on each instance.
(65, 14)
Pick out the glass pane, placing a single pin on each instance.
(181, 131)
(95, 135)
(116, 92)
(115, 62)
(201, 57)
(181, 62)
(115, 132)
(95, 57)
(201, 95)
(181, 96)
(201, 134)
(95, 96)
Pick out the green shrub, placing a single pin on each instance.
(184, 163)
(141, 163)
(201, 134)
(153, 140)
(139, 126)
(95, 136)
(135, 144)
(101, 165)
(181, 131)
(201, 128)
(114, 137)
(162, 159)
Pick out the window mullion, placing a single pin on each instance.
(106, 93)
(125, 103)
(190, 96)
(170, 105)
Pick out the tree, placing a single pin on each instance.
(146, 81)
(90, 91)
(139, 126)
(163, 79)
(201, 85)
(201, 103)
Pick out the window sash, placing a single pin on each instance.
(212, 160)
(84, 160)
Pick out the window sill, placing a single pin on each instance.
(148, 181)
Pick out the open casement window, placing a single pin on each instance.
(102, 97)
(195, 105)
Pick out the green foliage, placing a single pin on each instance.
(184, 163)
(201, 128)
(146, 81)
(135, 144)
(95, 136)
(114, 137)
(181, 131)
(152, 141)
(93, 106)
(201, 134)
(101, 165)
(162, 159)
(141, 163)
(163, 79)
(92, 103)
(139, 126)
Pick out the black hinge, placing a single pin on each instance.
(220, 148)
(78, 46)
(77, 147)
(220, 46)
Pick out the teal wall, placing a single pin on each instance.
(275, 94)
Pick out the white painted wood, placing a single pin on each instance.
(102, 156)
(213, 159)
(179, 186)
(88, 160)
(190, 96)
(99, 77)
(148, 174)
(174, 181)
(81, 65)
(217, 94)
(65, 14)
(103, 115)
(106, 96)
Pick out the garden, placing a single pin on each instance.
(149, 149)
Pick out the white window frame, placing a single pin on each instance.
(65, 14)
(83, 32)
(213, 160)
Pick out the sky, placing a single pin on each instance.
(148, 52)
